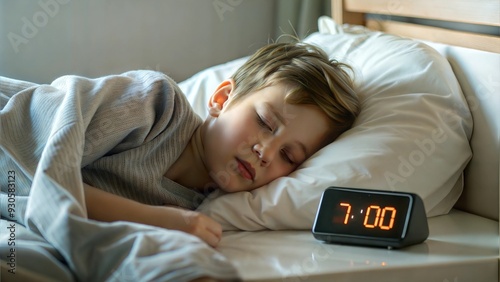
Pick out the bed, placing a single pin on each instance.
(463, 244)
(429, 125)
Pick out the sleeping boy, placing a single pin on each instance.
(281, 106)
(148, 158)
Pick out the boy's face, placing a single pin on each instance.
(260, 137)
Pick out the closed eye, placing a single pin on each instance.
(263, 123)
(287, 157)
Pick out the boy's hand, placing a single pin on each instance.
(191, 222)
(107, 207)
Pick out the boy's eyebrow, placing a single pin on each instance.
(280, 118)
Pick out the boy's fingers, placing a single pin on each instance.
(213, 232)
(215, 228)
(202, 226)
(212, 239)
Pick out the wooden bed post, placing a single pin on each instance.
(341, 16)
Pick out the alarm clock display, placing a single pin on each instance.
(370, 217)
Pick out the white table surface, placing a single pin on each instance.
(461, 247)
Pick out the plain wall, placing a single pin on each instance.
(44, 39)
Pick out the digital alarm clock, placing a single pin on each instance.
(370, 217)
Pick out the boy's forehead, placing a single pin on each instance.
(281, 111)
(273, 99)
(296, 116)
(310, 126)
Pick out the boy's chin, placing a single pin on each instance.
(236, 187)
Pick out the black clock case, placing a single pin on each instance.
(416, 233)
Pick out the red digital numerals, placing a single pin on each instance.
(375, 216)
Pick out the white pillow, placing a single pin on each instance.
(412, 134)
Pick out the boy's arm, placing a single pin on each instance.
(104, 206)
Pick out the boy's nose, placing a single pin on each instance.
(265, 153)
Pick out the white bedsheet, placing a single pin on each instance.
(48, 235)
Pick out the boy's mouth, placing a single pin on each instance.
(246, 169)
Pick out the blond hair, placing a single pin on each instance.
(312, 78)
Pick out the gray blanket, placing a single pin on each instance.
(42, 144)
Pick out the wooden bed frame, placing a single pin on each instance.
(405, 18)
(473, 13)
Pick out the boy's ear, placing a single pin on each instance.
(220, 97)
